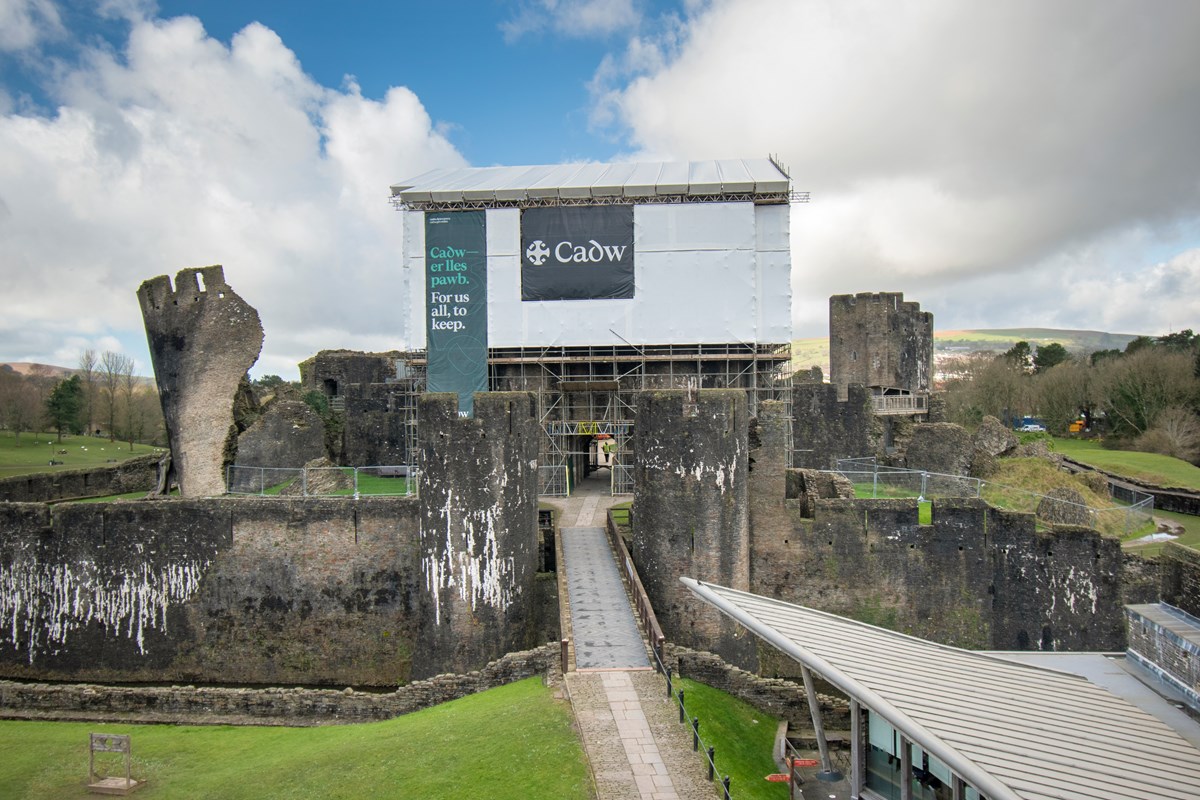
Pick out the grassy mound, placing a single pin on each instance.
(513, 742)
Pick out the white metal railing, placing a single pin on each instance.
(900, 403)
(871, 478)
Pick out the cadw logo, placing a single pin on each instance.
(570, 253)
(537, 252)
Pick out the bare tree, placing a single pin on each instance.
(114, 367)
(19, 406)
(87, 376)
(128, 384)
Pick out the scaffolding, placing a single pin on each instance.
(586, 396)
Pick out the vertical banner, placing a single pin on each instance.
(456, 304)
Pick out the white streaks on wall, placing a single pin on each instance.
(468, 560)
(41, 604)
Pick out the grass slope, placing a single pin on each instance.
(32, 452)
(510, 743)
(742, 738)
(1152, 468)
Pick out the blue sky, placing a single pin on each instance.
(1015, 164)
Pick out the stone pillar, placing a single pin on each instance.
(691, 512)
(478, 530)
(203, 337)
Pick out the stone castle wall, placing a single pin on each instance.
(692, 510)
(134, 475)
(372, 591)
(825, 429)
(878, 339)
(478, 548)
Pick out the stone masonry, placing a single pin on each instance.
(478, 529)
(692, 510)
(879, 340)
(203, 338)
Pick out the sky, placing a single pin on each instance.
(1016, 164)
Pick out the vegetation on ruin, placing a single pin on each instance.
(742, 737)
(509, 743)
(1151, 468)
(32, 452)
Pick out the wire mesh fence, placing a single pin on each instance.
(1131, 510)
(396, 480)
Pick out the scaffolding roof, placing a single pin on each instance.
(1012, 730)
(727, 177)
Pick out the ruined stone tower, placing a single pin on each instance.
(203, 338)
(691, 510)
(478, 530)
(881, 342)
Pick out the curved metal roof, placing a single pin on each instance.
(732, 177)
(1011, 730)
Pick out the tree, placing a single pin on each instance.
(1020, 355)
(1063, 393)
(87, 376)
(64, 406)
(1176, 433)
(113, 369)
(1049, 355)
(128, 384)
(1135, 389)
(19, 407)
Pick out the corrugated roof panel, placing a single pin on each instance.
(551, 178)
(643, 181)
(697, 178)
(735, 178)
(1040, 733)
(513, 183)
(673, 178)
(612, 182)
(704, 177)
(580, 184)
(767, 177)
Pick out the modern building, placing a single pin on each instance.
(932, 722)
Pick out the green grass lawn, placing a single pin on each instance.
(742, 738)
(1148, 467)
(32, 452)
(1190, 538)
(510, 743)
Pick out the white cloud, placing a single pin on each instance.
(943, 142)
(181, 151)
(24, 23)
(573, 18)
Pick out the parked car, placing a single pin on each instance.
(1032, 427)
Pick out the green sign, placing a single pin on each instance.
(456, 304)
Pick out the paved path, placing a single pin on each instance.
(631, 732)
(603, 627)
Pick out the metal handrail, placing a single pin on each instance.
(654, 632)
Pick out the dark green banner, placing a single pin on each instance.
(456, 304)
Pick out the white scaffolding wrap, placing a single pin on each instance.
(706, 273)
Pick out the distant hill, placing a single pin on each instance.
(810, 352)
(51, 371)
(28, 368)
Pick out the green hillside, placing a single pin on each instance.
(810, 352)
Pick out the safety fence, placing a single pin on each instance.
(650, 626)
(1130, 511)
(554, 480)
(395, 480)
